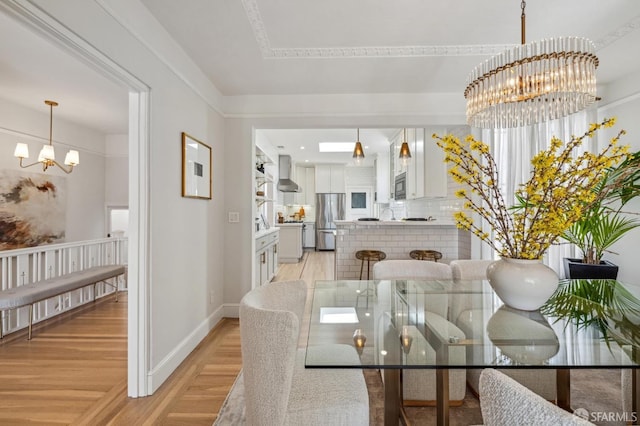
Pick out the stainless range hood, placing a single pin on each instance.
(285, 184)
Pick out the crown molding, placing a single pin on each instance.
(618, 33)
(268, 52)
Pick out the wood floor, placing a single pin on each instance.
(74, 370)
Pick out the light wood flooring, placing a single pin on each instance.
(74, 370)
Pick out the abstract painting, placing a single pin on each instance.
(32, 209)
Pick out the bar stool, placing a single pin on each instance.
(369, 255)
(426, 255)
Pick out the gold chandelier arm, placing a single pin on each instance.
(46, 165)
(64, 169)
(28, 165)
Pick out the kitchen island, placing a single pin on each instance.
(396, 238)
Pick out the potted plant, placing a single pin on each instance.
(604, 222)
(561, 188)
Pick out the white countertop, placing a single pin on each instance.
(287, 225)
(394, 223)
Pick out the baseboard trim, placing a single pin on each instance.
(231, 310)
(158, 375)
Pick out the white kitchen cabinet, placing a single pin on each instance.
(329, 178)
(266, 257)
(290, 243)
(261, 268)
(310, 189)
(415, 169)
(382, 178)
(301, 180)
(323, 178)
(309, 240)
(435, 169)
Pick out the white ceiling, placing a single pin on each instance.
(33, 69)
(255, 47)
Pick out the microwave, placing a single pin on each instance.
(400, 189)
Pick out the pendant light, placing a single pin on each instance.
(47, 156)
(405, 154)
(532, 83)
(358, 152)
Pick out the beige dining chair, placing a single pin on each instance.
(279, 390)
(542, 382)
(419, 386)
(503, 401)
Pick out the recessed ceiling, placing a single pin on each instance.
(376, 46)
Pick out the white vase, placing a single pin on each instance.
(522, 283)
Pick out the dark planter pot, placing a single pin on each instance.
(575, 269)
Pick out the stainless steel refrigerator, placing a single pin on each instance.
(329, 207)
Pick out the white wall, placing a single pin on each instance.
(185, 287)
(117, 170)
(85, 215)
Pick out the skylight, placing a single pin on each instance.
(335, 146)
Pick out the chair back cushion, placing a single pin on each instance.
(467, 269)
(269, 330)
(503, 401)
(411, 269)
(405, 269)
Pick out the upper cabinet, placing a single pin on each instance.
(310, 188)
(382, 178)
(426, 173)
(415, 169)
(330, 178)
(435, 169)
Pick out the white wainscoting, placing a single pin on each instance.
(25, 266)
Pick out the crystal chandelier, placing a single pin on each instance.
(47, 156)
(532, 83)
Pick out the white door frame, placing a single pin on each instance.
(139, 106)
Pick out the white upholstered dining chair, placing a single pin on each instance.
(279, 390)
(503, 401)
(419, 386)
(542, 382)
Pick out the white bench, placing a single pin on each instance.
(29, 294)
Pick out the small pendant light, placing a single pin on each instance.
(358, 152)
(405, 154)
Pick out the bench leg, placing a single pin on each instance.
(30, 320)
(115, 286)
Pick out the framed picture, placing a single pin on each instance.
(196, 168)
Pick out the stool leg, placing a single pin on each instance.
(361, 266)
(368, 268)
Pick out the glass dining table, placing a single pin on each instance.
(399, 325)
